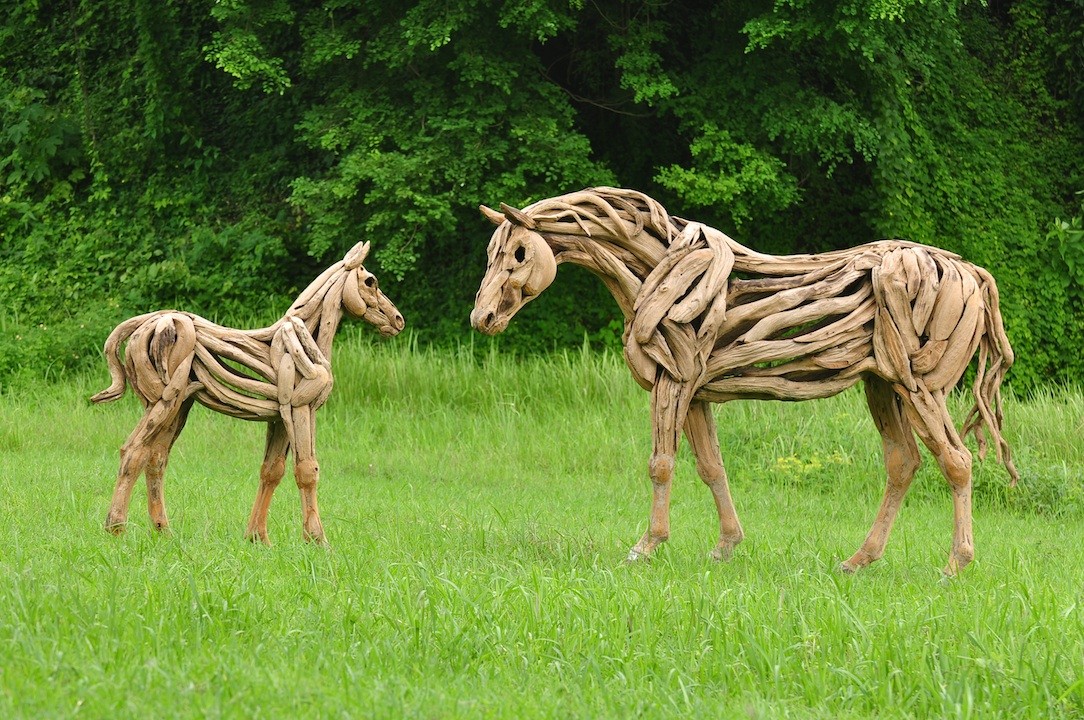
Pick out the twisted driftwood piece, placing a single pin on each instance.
(709, 320)
(279, 375)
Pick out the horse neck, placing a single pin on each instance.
(620, 270)
(320, 307)
(322, 324)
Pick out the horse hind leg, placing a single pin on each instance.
(931, 420)
(135, 455)
(704, 441)
(271, 473)
(155, 471)
(902, 460)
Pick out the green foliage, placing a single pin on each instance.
(37, 142)
(217, 155)
(737, 176)
(1068, 236)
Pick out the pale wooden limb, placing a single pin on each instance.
(307, 472)
(156, 467)
(272, 470)
(902, 460)
(704, 441)
(669, 407)
(134, 456)
(928, 414)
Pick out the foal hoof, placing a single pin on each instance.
(847, 568)
(722, 553)
(255, 537)
(114, 527)
(637, 556)
(316, 539)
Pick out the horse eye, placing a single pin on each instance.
(370, 281)
(520, 254)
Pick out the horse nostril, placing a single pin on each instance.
(489, 319)
(399, 321)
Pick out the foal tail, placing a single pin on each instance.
(995, 358)
(112, 356)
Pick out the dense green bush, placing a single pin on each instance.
(216, 155)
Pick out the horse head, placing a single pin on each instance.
(362, 297)
(521, 266)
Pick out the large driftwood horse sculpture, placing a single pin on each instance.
(279, 375)
(708, 320)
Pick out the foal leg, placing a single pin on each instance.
(704, 441)
(930, 417)
(156, 467)
(902, 460)
(669, 405)
(307, 472)
(271, 472)
(134, 456)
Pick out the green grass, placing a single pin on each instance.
(479, 515)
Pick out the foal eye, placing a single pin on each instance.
(370, 281)
(520, 254)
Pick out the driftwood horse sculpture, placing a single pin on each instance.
(708, 320)
(279, 375)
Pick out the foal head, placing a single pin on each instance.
(521, 266)
(362, 297)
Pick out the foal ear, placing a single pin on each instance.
(492, 215)
(518, 217)
(356, 256)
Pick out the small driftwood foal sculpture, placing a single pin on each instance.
(279, 375)
(709, 320)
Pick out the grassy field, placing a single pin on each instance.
(479, 515)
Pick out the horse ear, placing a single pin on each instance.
(356, 256)
(492, 215)
(518, 217)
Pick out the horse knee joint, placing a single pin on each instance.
(307, 473)
(709, 470)
(661, 468)
(958, 470)
(271, 473)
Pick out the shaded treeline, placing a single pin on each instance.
(215, 155)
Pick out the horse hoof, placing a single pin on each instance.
(256, 537)
(722, 553)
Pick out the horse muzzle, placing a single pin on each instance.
(487, 322)
(388, 324)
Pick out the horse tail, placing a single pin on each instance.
(112, 356)
(995, 358)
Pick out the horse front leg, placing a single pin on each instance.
(156, 467)
(307, 472)
(669, 406)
